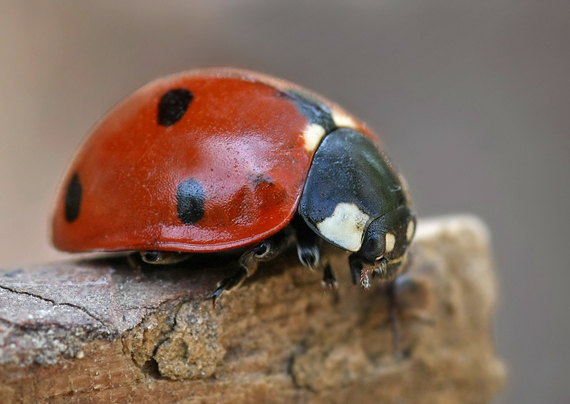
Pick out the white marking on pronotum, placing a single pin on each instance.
(343, 120)
(411, 230)
(345, 227)
(313, 134)
(390, 242)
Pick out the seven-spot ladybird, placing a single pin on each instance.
(224, 159)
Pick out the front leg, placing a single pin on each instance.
(308, 244)
(309, 252)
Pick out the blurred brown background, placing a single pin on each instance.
(471, 98)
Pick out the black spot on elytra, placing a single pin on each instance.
(190, 201)
(73, 198)
(173, 106)
(261, 179)
(313, 109)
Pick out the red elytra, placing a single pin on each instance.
(240, 139)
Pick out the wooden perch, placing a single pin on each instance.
(97, 331)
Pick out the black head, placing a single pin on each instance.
(388, 237)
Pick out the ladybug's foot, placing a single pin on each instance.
(309, 256)
(249, 261)
(308, 244)
(329, 278)
(227, 284)
(329, 281)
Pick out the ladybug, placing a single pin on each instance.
(223, 159)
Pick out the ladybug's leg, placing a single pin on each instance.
(267, 250)
(329, 280)
(309, 252)
(138, 259)
(308, 243)
(362, 269)
(356, 266)
(163, 257)
(228, 283)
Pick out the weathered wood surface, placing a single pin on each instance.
(101, 332)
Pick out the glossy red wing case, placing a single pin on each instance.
(239, 150)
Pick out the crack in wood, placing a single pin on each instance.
(53, 302)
